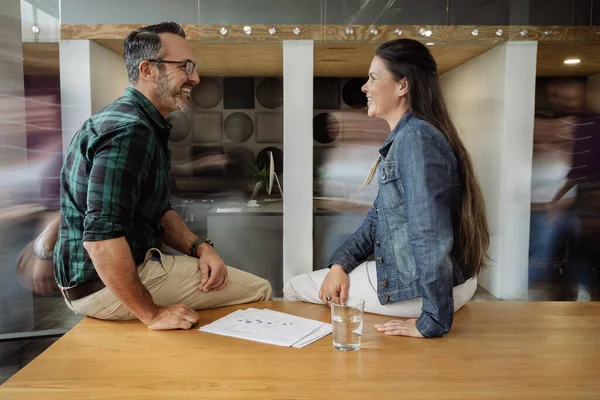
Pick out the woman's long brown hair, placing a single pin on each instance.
(410, 59)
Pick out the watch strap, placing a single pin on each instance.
(197, 243)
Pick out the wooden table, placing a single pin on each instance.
(496, 350)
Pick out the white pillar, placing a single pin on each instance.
(297, 157)
(13, 135)
(491, 100)
(75, 87)
(516, 167)
(91, 76)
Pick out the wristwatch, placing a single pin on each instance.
(41, 252)
(197, 243)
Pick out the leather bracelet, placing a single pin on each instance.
(197, 243)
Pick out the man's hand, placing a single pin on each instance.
(400, 328)
(178, 316)
(212, 269)
(335, 284)
(35, 274)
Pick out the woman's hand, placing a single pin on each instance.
(335, 284)
(400, 328)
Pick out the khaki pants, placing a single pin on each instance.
(173, 280)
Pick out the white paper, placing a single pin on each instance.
(267, 326)
(229, 210)
(317, 334)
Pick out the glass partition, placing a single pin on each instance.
(227, 150)
(227, 156)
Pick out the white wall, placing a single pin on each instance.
(108, 76)
(491, 99)
(90, 77)
(593, 92)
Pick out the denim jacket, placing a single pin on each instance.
(412, 225)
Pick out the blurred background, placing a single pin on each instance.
(283, 78)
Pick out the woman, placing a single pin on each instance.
(427, 229)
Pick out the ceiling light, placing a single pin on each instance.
(572, 61)
(430, 44)
(425, 32)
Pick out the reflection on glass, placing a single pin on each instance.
(565, 228)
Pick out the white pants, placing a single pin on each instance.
(363, 283)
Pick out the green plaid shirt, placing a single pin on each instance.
(114, 183)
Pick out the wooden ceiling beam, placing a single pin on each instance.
(363, 33)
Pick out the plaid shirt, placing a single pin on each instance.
(114, 183)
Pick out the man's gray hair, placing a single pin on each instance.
(145, 44)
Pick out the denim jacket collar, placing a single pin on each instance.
(385, 148)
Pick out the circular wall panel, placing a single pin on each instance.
(269, 93)
(352, 93)
(207, 93)
(262, 159)
(238, 127)
(242, 159)
(181, 125)
(326, 128)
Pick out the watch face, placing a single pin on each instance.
(40, 252)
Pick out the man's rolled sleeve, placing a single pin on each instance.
(120, 162)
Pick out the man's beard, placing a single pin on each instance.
(171, 96)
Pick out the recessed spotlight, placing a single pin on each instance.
(425, 32)
(572, 61)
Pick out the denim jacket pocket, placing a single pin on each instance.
(387, 171)
(390, 188)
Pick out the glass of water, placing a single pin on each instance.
(347, 322)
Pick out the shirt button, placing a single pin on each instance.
(377, 243)
(379, 259)
(383, 175)
(386, 298)
(377, 210)
(384, 284)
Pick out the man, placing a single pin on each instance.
(570, 98)
(115, 208)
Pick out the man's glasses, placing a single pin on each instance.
(190, 66)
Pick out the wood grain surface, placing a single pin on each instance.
(496, 350)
